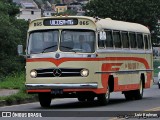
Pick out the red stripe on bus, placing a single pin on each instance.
(57, 62)
(99, 90)
(149, 78)
(115, 69)
(37, 91)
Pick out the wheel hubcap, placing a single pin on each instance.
(141, 88)
(107, 94)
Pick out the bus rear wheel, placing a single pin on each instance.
(134, 94)
(128, 95)
(44, 99)
(139, 93)
(103, 99)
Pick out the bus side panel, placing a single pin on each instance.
(127, 80)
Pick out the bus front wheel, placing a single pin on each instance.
(44, 99)
(103, 99)
(81, 99)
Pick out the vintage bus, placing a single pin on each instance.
(114, 56)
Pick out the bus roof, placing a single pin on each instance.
(121, 25)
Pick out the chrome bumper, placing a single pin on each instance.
(61, 86)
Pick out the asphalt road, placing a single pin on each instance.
(69, 108)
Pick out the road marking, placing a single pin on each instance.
(154, 109)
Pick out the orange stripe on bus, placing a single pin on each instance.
(97, 91)
(57, 62)
(37, 91)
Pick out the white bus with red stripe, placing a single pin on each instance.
(119, 58)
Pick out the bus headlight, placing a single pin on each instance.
(33, 73)
(84, 72)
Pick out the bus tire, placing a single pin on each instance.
(103, 99)
(128, 95)
(44, 99)
(135, 94)
(138, 94)
(81, 99)
(90, 98)
(158, 84)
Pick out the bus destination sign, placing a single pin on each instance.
(60, 22)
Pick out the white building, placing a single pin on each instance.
(76, 6)
(48, 13)
(29, 10)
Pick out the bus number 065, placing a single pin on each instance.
(84, 22)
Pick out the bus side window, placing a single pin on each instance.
(109, 39)
(133, 42)
(149, 41)
(117, 39)
(140, 41)
(125, 39)
(146, 41)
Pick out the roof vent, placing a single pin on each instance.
(96, 18)
(108, 18)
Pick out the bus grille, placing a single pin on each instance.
(58, 72)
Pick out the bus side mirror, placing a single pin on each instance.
(102, 35)
(20, 50)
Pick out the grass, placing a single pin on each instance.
(15, 81)
(156, 63)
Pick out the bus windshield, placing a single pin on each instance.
(70, 41)
(77, 41)
(43, 41)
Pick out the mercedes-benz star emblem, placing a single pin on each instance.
(57, 55)
(57, 72)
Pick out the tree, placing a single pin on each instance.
(146, 12)
(12, 33)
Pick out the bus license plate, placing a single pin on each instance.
(56, 91)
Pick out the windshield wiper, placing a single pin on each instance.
(71, 49)
(48, 48)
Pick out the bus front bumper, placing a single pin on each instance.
(61, 86)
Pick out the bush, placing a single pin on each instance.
(156, 64)
(12, 33)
